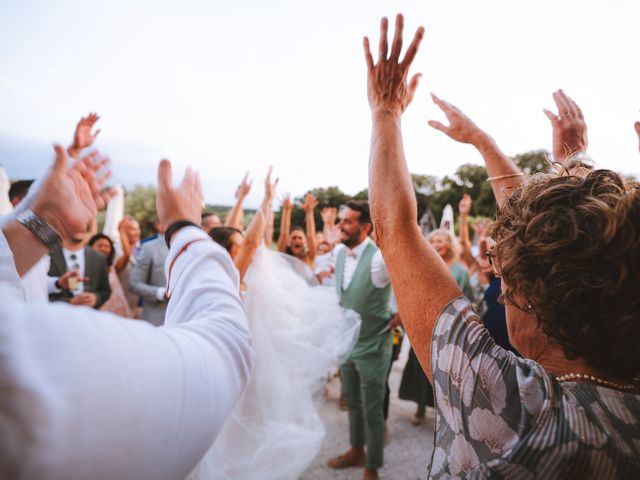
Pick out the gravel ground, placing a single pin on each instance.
(408, 449)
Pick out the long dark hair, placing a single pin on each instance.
(100, 236)
(222, 235)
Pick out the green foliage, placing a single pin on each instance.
(141, 204)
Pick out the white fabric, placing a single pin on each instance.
(5, 184)
(299, 333)
(87, 394)
(379, 274)
(114, 214)
(35, 281)
(447, 220)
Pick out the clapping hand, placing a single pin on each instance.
(569, 127)
(461, 128)
(387, 86)
(71, 195)
(310, 203)
(83, 137)
(245, 187)
(181, 203)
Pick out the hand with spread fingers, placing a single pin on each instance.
(569, 127)
(181, 203)
(70, 196)
(461, 128)
(310, 203)
(83, 137)
(387, 86)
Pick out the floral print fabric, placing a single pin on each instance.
(500, 416)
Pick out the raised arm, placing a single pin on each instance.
(309, 207)
(421, 281)
(285, 224)
(464, 207)
(83, 137)
(636, 125)
(235, 217)
(121, 263)
(504, 174)
(269, 194)
(257, 227)
(67, 199)
(569, 128)
(329, 216)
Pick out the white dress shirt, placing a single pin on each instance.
(379, 274)
(88, 394)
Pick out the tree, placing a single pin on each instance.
(140, 203)
(535, 161)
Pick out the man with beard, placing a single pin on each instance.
(363, 284)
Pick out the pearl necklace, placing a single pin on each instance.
(590, 378)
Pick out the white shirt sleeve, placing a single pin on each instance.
(92, 395)
(379, 274)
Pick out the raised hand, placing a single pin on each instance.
(245, 187)
(70, 196)
(181, 203)
(83, 137)
(269, 186)
(464, 207)
(637, 127)
(569, 127)
(481, 228)
(387, 86)
(287, 203)
(329, 215)
(310, 203)
(461, 128)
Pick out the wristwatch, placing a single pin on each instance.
(41, 229)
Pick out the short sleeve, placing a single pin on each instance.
(487, 398)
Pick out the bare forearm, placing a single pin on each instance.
(498, 165)
(252, 239)
(389, 178)
(415, 268)
(310, 223)
(285, 223)
(234, 219)
(26, 248)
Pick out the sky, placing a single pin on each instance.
(230, 87)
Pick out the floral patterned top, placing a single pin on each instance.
(500, 416)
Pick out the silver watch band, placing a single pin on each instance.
(41, 229)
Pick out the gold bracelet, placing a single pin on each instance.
(502, 177)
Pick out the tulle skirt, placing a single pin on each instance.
(299, 334)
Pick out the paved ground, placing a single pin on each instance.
(408, 448)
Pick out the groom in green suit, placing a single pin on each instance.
(363, 284)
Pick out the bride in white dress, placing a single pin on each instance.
(299, 333)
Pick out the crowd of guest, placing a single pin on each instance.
(504, 324)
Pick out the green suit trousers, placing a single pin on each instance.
(364, 377)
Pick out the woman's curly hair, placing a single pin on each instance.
(569, 247)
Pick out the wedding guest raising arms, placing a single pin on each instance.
(160, 395)
(571, 282)
(295, 241)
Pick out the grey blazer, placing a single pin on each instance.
(148, 276)
(95, 268)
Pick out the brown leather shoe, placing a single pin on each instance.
(353, 458)
(370, 474)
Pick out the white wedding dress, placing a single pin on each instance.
(299, 334)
